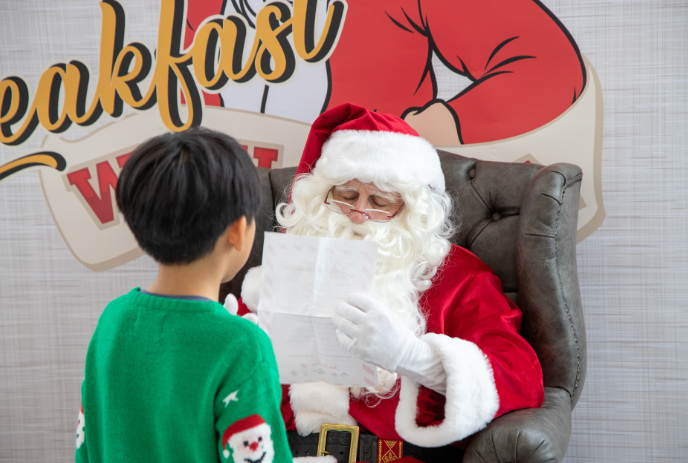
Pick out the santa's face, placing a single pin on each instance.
(362, 201)
(253, 445)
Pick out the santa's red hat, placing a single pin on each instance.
(242, 425)
(350, 142)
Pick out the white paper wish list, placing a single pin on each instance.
(302, 280)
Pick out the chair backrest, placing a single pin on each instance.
(489, 198)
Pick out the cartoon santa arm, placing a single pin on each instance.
(525, 67)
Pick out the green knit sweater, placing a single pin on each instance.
(171, 380)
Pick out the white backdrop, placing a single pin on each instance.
(633, 270)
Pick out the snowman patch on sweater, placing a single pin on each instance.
(80, 425)
(249, 441)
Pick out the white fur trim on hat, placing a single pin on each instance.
(317, 403)
(380, 157)
(472, 399)
(250, 288)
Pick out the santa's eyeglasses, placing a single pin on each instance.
(375, 215)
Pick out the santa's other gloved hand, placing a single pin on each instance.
(371, 331)
(375, 334)
(232, 306)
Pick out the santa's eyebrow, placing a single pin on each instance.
(345, 189)
(387, 195)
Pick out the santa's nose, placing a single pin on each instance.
(357, 218)
(253, 446)
(359, 205)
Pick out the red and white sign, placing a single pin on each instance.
(262, 72)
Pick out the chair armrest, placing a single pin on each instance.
(532, 435)
(547, 274)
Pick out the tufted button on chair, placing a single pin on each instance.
(520, 219)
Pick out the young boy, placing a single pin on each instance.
(171, 376)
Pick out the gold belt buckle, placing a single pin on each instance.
(353, 430)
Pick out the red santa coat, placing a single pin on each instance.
(491, 369)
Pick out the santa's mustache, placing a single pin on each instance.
(394, 242)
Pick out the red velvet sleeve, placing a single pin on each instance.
(479, 312)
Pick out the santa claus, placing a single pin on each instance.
(249, 441)
(437, 324)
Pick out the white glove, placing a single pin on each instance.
(371, 331)
(232, 306)
(374, 333)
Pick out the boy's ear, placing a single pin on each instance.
(236, 233)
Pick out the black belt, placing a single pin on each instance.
(370, 448)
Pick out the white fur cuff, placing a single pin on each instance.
(250, 288)
(472, 398)
(317, 403)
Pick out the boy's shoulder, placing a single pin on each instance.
(245, 334)
(204, 322)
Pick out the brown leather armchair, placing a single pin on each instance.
(520, 219)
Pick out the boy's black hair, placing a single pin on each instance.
(180, 191)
